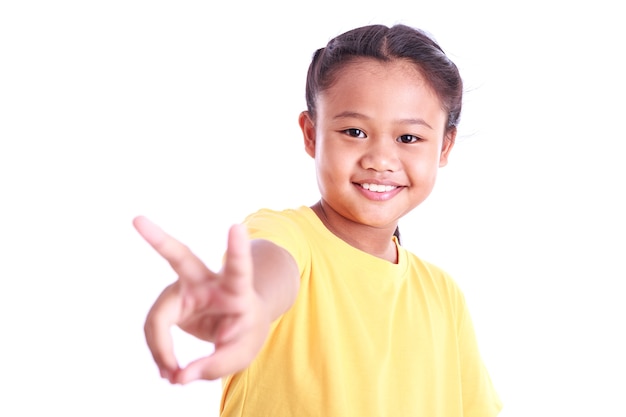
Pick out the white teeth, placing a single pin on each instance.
(378, 188)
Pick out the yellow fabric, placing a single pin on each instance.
(365, 337)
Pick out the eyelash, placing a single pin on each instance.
(358, 133)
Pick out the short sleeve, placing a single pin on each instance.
(282, 229)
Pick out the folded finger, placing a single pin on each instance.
(221, 363)
(159, 321)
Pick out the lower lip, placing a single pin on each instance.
(374, 196)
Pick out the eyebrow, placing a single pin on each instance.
(356, 115)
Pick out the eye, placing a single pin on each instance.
(408, 139)
(355, 133)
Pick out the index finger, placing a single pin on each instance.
(186, 264)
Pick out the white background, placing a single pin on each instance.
(187, 112)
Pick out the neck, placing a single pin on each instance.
(375, 241)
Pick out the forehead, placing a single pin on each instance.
(387, 86)
(370, 72)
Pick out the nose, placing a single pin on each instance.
(381, 154)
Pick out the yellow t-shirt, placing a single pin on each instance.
(365, 337)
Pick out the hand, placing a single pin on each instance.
(222, 308)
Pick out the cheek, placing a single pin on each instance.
(330, 158)
(424, 169)
(333, 169)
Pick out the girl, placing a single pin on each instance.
(318, 311)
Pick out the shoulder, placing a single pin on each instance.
(436, 281)
(271, 219)
(281, 225)
(426, 269)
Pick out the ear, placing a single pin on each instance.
(308, 132)
(448, 143)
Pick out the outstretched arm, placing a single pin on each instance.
(232, 308)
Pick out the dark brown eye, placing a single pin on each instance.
(408, 139)
(355, 133)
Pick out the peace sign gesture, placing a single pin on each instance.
(220, 307)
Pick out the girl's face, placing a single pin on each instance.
(378, 141)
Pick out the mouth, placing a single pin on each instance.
(378, 188)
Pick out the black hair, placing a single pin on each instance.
(386, 44)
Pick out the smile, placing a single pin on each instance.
(378, 188)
